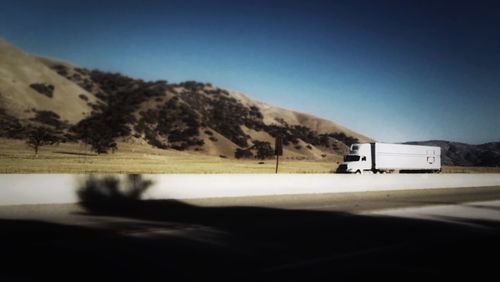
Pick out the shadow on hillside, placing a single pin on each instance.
(175, 241)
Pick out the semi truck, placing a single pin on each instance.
(384, 158)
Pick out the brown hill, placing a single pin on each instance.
(23, 79)
(461, 154)
(99, 108)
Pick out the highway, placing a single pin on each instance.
(417, 234)
(358, 203)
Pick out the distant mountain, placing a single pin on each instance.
(461, 154)
(101, 108)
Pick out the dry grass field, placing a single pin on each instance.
(469, 169)
(16, 157)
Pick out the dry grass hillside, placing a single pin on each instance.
(108, 110)
(20, 74)
(277, 115)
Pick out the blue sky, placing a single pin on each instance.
(393, 70)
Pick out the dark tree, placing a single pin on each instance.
(243, 154)
(97, 132)
(264, 150)
(41, 136)
(101, 144)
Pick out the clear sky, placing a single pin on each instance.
(392, 70)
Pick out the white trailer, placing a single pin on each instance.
(382, 157)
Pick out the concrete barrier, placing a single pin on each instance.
(60, 188)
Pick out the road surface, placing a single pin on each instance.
(410, 235)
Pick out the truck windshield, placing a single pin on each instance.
(351, 158)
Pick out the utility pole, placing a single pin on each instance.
(277, 162)
(278, 150)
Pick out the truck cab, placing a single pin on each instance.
(358, 160)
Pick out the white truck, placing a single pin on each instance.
(383, 157)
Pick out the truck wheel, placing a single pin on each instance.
(358, 171)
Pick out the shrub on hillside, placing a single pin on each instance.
(179, 124)
(49, 118)
(44, 89)
(61, 70)
(243, 153)
(342, 137)
(192, 85)
(489, 158)
(10, 127)
(152, 139)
